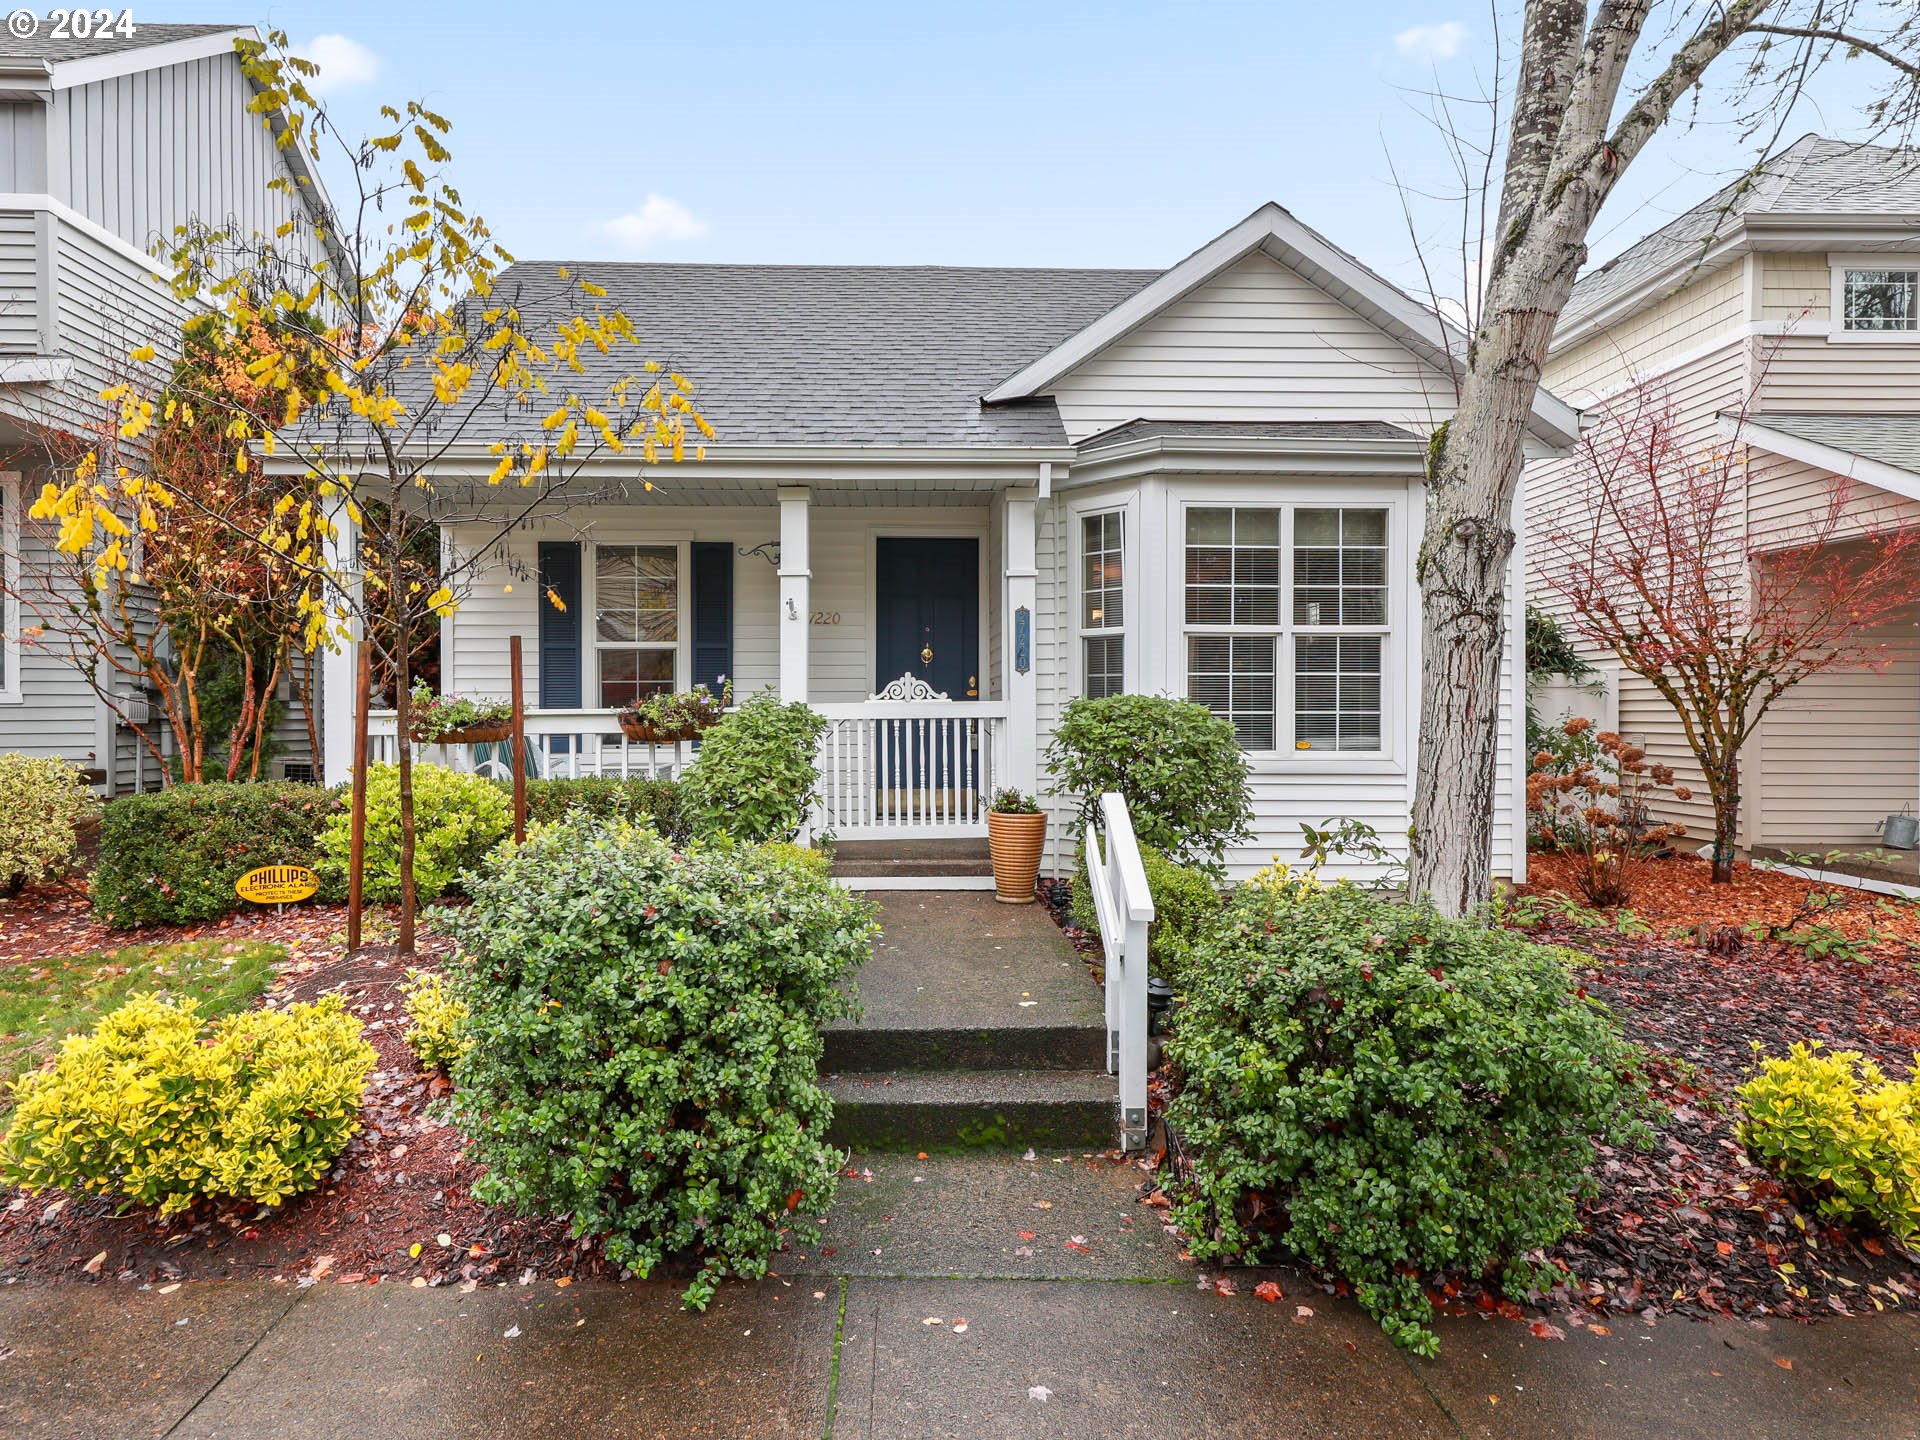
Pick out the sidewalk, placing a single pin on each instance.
(1107, 1336)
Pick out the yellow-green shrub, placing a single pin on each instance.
(457, 818)
(154, 1107)
(814, 862)
(437, 1035)
(45, 802)
(1836, 1128)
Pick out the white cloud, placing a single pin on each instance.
(1431, 42)
(657, 221)
(344, 62)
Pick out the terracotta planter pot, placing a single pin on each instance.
(643, 733)
(472, 735)
(1015, 842)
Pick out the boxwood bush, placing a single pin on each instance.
(162, 1111)
(1389, 1093)
(1186, 906)
(1177, 763)
(457, 818)
(645, 1037)
(606, 798)
(755, 773)
(170, 857)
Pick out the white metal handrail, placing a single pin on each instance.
(1125, 907)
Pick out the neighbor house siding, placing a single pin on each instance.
(1795, 287)
(1788, 502)
(23, 148)
(1598, 365)
(1810, 374)
(142, 153)
(1841, 750)
(20, 315)
(1255, 343)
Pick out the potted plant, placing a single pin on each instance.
(1016, 833)
(664, 719)
(454, 720)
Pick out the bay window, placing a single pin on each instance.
(636, 623)
(1103, 615)
(1307, 674)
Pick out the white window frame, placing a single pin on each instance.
(1395, 647)
(13, 504)
(1124, 632)
(1837, 301)
(590, 583)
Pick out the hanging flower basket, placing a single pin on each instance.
(469, 735)
(453, 720)
(645, 732)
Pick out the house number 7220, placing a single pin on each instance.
(826, 617)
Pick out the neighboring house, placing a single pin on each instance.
(1794, 298)
(106, 145)
(944, 502)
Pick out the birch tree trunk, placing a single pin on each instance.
(1565, 152)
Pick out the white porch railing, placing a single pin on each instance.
(1125, 907)
(909, 764)
(560, 744)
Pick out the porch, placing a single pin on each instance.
(909, 628)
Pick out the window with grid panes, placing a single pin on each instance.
(1103, 613)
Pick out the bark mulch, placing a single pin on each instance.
(403, 1181)
(1677, 896)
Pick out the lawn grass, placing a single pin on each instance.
(41, 1003)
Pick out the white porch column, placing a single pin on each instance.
(337, 663)
(796, 594)
(1018, 628)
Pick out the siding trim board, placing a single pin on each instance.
(13, 499)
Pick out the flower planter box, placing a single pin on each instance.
(469, 735)
(645, 734)
(1015, 843)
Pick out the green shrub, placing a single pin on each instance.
(1836, 1129)
(1402, 1093)
(171, 857)
(1186, 906)
(645, 1030)
(45, 802)
(755, 773)
(437, 1035)
(1178, 765)
(457, 818)
(150, 1109)
(598, 797)
(814, 862)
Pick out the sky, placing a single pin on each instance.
(984, 133)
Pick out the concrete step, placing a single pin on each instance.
(998, 1047)
(948, 1110)
(910, 859)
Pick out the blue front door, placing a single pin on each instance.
(927, 598)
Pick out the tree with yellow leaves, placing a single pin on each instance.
(409, 380)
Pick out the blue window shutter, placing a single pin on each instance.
(560, 629)
(712, 613)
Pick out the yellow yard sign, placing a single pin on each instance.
(277, 884)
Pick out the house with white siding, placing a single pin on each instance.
(943, 502)
(1781, 317)
(106, 145)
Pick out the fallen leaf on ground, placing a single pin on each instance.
(1270, 1291)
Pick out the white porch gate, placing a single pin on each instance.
(909, 764)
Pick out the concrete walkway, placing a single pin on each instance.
(964, 1296)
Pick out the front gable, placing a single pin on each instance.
(1256, 342)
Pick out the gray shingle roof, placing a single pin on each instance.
(1890, 439)
(42, 46)
(849, 354)
(1246, 430)
(1813, 176)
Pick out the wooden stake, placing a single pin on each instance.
(357, 844)
(519, 743)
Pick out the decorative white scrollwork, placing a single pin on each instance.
(909, 687)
